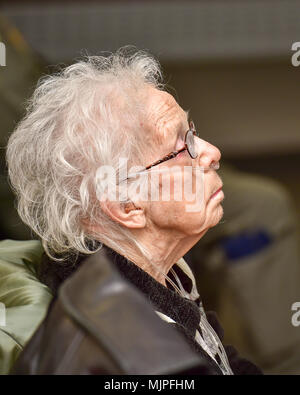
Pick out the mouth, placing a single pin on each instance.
(216, 192)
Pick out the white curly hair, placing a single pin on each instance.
(84, 116)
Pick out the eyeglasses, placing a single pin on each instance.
(189, 145)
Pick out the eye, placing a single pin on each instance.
(179, 143)
(181, 154)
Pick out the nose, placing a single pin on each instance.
(207, 153)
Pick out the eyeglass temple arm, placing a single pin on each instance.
(167, 157)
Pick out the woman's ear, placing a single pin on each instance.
(126, 214)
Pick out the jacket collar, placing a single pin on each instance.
(183, 310)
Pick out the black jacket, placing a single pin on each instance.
(102, 321)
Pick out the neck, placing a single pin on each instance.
(164, 251)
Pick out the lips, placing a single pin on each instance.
(216, 192)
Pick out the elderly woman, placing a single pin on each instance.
(68, 162)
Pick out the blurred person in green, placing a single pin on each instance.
(17, 80)
(247, 267)
(24, 298)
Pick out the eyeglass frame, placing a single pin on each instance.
(173, 154)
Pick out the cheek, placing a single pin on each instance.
(189, 222)
(174, 216)
(170, 214)
(183, 213)
(160, 213)
(195, 220)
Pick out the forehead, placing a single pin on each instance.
(164, 115)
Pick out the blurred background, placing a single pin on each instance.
(229, 62)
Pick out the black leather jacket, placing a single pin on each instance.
(100, 323)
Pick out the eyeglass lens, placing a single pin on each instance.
(190, 144)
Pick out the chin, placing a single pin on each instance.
(216, 217)
(219, 215)
(213, 220)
